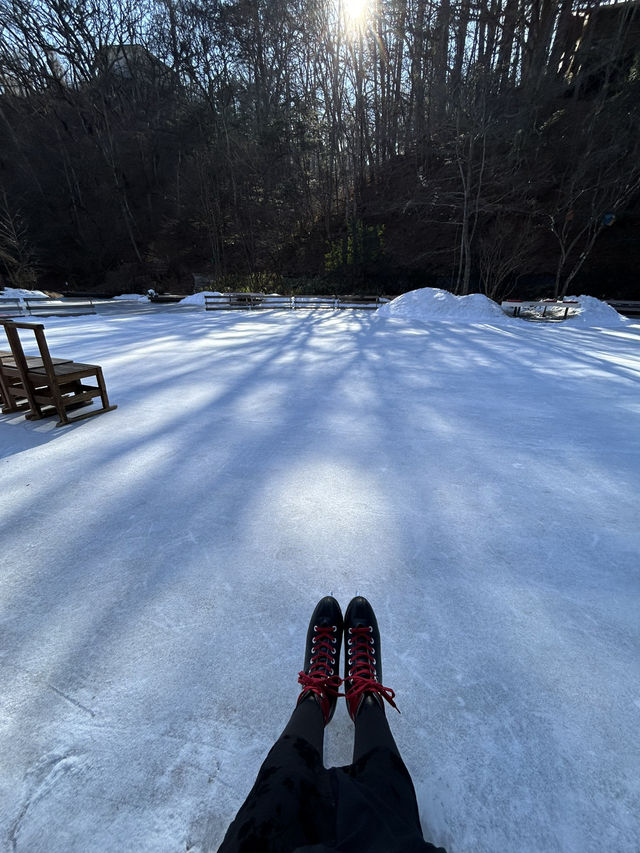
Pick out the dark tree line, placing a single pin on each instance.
(142, 142)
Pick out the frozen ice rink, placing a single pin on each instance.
(478, 480)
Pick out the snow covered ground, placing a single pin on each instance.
(476, 477)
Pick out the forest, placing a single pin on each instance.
(320, 145)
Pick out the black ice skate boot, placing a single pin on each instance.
(362, 664)
(320, 677)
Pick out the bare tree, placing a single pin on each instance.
(16, 252)
(506, 247)
(597, 174)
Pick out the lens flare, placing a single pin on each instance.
(355, 11)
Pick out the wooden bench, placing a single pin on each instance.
(5, 396)
(547, 309)
(12, 394)
(46, 385)
(39, 307)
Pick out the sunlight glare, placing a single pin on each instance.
(355, 11)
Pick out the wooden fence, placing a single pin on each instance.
(262, 301)
(44, 307)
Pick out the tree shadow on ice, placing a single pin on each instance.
(165, 549)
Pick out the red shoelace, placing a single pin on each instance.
(361, 668)
(321, 678)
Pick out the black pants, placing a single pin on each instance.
(297, 806)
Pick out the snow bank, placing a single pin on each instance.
(594, 312)
(131, 297)
(21, 293)
(431, 303)
(198, 298)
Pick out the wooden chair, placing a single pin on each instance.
(47, 385)
(13, 397)
(5, 396)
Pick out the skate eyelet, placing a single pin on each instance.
(349, 642)
(334, 627)
(350, 630)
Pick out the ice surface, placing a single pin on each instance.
(477, 481)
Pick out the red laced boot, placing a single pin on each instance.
(362, 666)
(319, 677)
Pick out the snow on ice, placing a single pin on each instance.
(477, 479)
(594, 312)
(21, 293)
(198, 298)
(430, 303)
(131, 297)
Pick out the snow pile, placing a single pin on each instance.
(21, 293)
(131, 297)
(431, 303)
(198, 298)
(594, 312)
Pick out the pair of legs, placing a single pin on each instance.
(371, 727)
(296, 804)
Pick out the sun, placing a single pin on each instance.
(355, 11)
